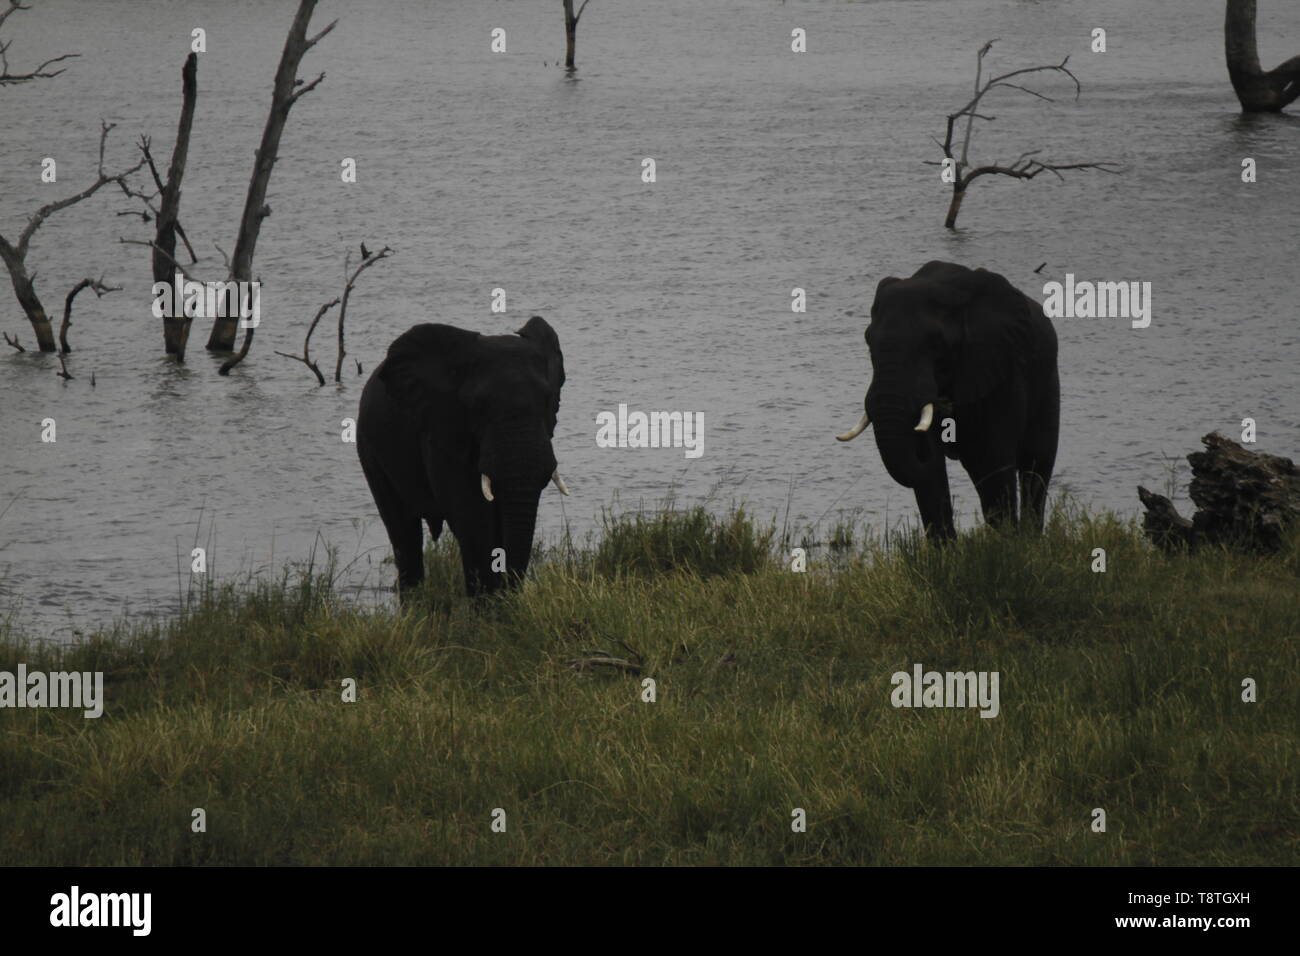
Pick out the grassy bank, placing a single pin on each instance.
(1119, 690)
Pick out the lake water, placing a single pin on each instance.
(483, 170)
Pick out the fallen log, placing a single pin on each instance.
(1244, 499)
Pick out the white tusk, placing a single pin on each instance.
(927, 416)
(856, 430)
(559, 483)
(486, 484)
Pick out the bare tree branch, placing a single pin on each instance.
(320, 36)
(154, 246)
(7, 78)
(224, 255)
(14, 341)
(1024, 167)
(305, 358)
(307, 89)
(13, 5)
(95, 285)
(347, 292)
(25, 237)
(162, 188)
(14, 255)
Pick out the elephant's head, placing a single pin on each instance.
(948, 335)
(486, 407)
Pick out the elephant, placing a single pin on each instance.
(968, 342)
(456, 426)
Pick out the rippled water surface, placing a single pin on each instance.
(481, 170)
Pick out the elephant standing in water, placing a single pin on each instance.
(456, 426)
(969, 341)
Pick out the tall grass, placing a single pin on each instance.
(1119, 690)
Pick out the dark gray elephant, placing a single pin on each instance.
(970, 344)
(456, 426)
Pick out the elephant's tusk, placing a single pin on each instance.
(927, 416)
(559, 483)
(856, 430)
(486, 485)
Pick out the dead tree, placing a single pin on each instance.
(95, 285)
(40, 73)
(1024, 167)
(1247, 500)
(14, 255)
(366, 263)
(1259, 92)
(368, 259)
(571, 31)
(287, 91)
(176, 328)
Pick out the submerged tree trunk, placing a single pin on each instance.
(286, 93)
(571, 31)
(176, 328)
(954, 207)
(27, 298)
(1259, 92)
(1244, 500)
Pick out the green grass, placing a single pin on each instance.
(1119, 690)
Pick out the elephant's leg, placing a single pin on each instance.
(474, 579)
(403, 528)
(1033, 499)
(1037, 457)
(991, 440)
(473, 530)
(934, 501)
(997, 491)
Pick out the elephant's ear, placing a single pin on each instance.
(426, 366)
(539, 331)
(996, 326)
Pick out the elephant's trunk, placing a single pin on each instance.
(895, 421)
(518, 509)
(516, 466)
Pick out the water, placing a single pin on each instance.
(484, 170)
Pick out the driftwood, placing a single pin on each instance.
(633, 664)
(1244, 500)
(597, 659)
